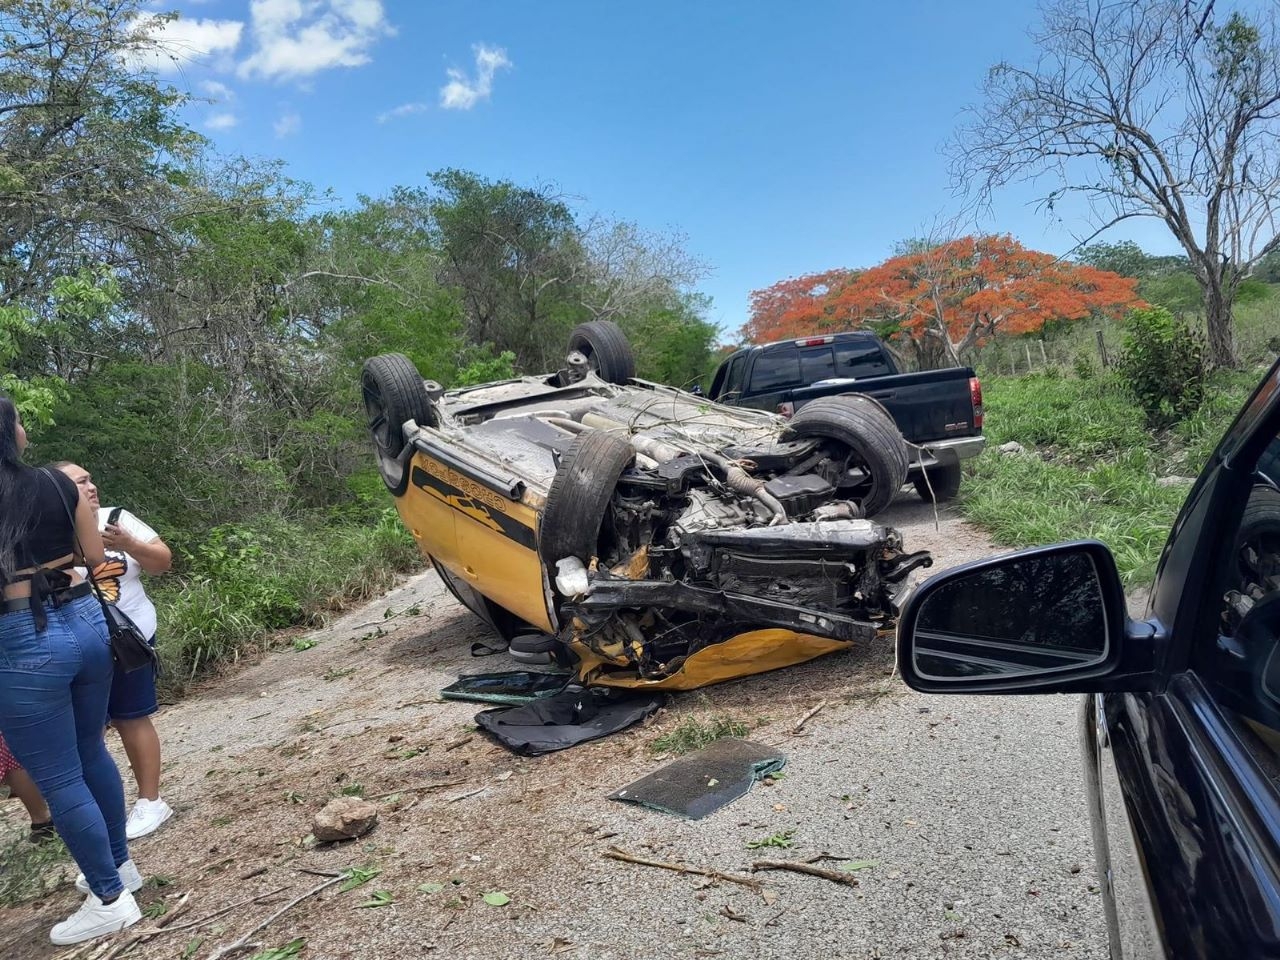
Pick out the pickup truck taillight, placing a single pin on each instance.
(786, 408)
(975, 397)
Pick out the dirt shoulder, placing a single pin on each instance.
(970, 810)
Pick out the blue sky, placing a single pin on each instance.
(779, 139)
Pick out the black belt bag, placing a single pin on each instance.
(129, 647)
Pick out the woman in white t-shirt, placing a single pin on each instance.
(133, 549)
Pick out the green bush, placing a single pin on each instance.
(242, 582)
(1162, 365)
(1092, 466)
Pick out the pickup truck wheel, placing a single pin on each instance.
(579, 496)
(945, 480)
(606, 348)
(871, 436)
(394, 392)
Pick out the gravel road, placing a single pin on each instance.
(970, 812)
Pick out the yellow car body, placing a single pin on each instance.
(671, 585)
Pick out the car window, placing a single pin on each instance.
(733, 378)
(860, 359)
(1241, 666)
(775, 369)
(816, 363)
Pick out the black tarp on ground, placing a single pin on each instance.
(573, 716)
(702, 782)
(512, 687)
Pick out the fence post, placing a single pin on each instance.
(1043, 357)
(1102, 349)
(1027, 347)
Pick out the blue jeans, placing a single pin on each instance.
(54, 687)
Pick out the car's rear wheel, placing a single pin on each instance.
(394, 392)
(871, 438)
(944, 479)
(606, 348)
(579, 496)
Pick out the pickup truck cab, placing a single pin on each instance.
(938, 412)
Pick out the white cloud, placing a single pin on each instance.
(462, 92)
(287, 125)
(216, 91)
(299, 38)
(404, 110)
(176, 43)
(221, 121)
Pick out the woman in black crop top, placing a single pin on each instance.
(55, 677)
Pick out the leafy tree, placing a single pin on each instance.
(90, 146)
(798, 306)
(673, 344)
(1154, 108)
(513, 254)
(942, 301)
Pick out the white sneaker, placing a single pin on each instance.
(129, 876)
(97, 919)
(146, 817)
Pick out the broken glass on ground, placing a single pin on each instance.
(512, 687)
(702, 782)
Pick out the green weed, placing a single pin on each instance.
(1092, 466)
(30, 871)
(694, 734)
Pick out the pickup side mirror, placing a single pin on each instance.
(1048, 620)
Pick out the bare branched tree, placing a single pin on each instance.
(1150, 108)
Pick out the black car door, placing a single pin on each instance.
(1187, 799)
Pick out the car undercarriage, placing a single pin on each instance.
(667, 526)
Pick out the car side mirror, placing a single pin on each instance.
(1046, 620)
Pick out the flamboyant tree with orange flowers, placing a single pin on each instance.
(796, 306)
(945, 299)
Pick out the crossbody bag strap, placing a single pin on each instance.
(71, 515)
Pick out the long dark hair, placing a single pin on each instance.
(15, 517)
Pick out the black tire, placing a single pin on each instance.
(394, 392)
(945, 480)
(872, 437)
(579, 496)
(1258, 540)
(606, 349)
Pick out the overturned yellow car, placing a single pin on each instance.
(641, 535)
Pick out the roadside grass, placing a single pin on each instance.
(30, 871)
(244, 582)
(1092, 464)
(693, 733)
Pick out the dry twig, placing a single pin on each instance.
(416, 788)
(807, 717)
(805, 868)
(614, 853)
(460, 742)
(217, 913)
(244, 944)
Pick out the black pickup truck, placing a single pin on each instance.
(939, 412)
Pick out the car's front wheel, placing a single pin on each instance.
(569, 525)
(394, 392)
(870, 437)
